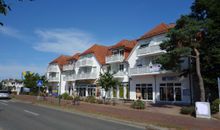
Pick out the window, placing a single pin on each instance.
(121, 67)
(121, 52)
(170, 92)
(144, 91)
(114, 52)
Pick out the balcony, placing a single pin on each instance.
(53, 79)
(68, 67)
(114, 58)
(52, 68)
(119, 74)
(150, 50)
(86, 76)
(69, 78)
(84, 62)
(146, 70)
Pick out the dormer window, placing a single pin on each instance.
(145, 44)
(121, 52)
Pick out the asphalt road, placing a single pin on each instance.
(23, 116)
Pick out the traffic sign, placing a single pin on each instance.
(39, 83)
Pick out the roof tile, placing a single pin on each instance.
(159, 29)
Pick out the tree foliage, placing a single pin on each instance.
(30, 81)
(107, 81)
(5, 7)
(197, 36)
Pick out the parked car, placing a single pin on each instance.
(4, 94)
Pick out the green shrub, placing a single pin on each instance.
(189, 110)
(90, 99)
(65, 96)
(215, 106)
(77, 98)
(99, 101)
(69, 98)
(138, 104)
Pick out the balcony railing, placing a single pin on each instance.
(52, 68)
(145, 70)
(53, 79)
(114, 58)
(84, 62)
(86, 76)
(119, 74)
(69, 77)
(68, 67)
(149, 50)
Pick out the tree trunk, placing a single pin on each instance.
(198, 71)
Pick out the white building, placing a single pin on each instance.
(12, 85)
(147, 80)
(56, 85)
(70, 73)
(88, 67)
(116, 63)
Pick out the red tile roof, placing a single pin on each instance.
(159, 29)
(128, 45)
(61, 60)
(74, 57)
(99, 52)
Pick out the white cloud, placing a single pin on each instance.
(15, 70)
(12, 32)
(63, 41)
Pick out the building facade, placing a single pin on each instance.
(132, 62)
(148, 81)
(116, 63)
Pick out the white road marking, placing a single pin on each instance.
(12, 101)
(33, 113)
(3, 103)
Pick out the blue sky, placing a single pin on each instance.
(34, 33)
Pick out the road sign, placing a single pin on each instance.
(39, 83)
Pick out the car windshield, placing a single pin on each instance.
(3, 91)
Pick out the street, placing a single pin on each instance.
(24, 116)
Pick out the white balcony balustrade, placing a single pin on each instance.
(119, 74)
(150, 50)
(84, 62)
(145, 70)
(53, 79)
(83, 76)
(114, 58)
(69, 77)
(68, 67)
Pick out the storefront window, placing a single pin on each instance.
(170, 92)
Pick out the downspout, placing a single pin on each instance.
(190, 80)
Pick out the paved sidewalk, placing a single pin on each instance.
(143, 116)
(149, 117)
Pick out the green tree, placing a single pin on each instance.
(30, 81)
(107, 81)
(195, 36)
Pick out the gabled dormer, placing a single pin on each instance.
(90, 62)
(71, 62)
(149, 43)
(55, 67)
(119, 52)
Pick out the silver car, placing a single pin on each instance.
(4, 94)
